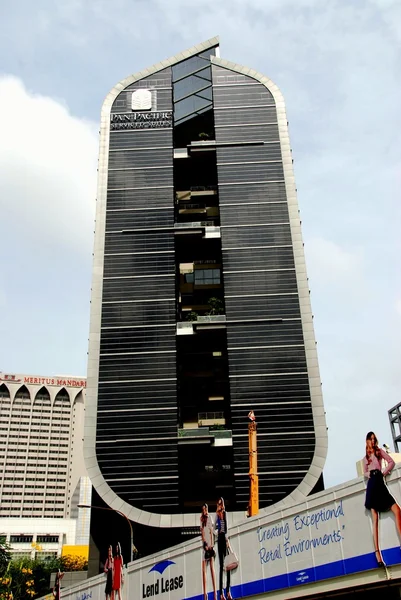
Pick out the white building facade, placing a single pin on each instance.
(41, 434)
(38, 538)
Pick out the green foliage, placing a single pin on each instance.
(215, 306)
(18, 581)
(26, 579)
(192, 316)
(73, 563)
(204, 136)
(5, 556)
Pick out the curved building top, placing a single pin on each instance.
(200, 307)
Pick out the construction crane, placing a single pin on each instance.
(253, 507)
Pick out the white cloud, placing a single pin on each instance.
(48, 166)
(329, 263)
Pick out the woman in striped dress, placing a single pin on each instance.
(222, 546)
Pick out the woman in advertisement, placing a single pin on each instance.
(108, 569)
(118, 578)
(222, 547)
(57, 585)
(206, 527)
(378, 498)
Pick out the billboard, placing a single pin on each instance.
(328, 536)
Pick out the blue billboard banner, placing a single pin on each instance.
(330, 535)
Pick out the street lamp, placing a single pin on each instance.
(120, 513)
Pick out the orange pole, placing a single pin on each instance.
(253, 508)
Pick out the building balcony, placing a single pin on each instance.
(205, 435)
(196, 191)
(203, 322)
(205, 228)
(202, 146)
(194, 224)
(211, 319)
(187, 209)
(211, 418)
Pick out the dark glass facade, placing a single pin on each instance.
(137, 399)
(197, 315)
(267, 362)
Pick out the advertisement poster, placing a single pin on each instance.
(328, 536)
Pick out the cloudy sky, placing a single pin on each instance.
(337, 64)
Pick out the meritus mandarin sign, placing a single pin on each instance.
(141, 120)
(32, 380)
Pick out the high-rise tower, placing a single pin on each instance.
(200, 302)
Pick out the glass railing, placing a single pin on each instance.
(211, 319)
(205, 432)
(211, 415)
(195, 224)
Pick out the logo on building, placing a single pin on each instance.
(161, 566)
(162, 584)
(10, 378)
(142, 100)
(301, 577)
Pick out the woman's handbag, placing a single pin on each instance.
(230, 560)
(209, 553)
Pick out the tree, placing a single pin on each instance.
(5, 556)
(18, 582)
(192, 316)
(71, 562)
(215, 306)
(25, 578)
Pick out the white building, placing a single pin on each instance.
(42, 473)
(41, 431)
(38, 538)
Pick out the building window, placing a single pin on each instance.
(48, 539)
(207, 277)
(21, 539)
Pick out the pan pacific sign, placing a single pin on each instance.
(141, 120)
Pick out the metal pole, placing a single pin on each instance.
(130, 528)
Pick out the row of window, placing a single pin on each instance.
(10, 501)
(24, 397)
(31, 450)
(26, 539)
(31, 472)
(14, 446)
(32, 511)
(32, 486)
(40, 461)
(29, 493)
(37, 440)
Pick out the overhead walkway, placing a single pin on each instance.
(320, 548)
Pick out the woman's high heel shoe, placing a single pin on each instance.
(379, 559)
